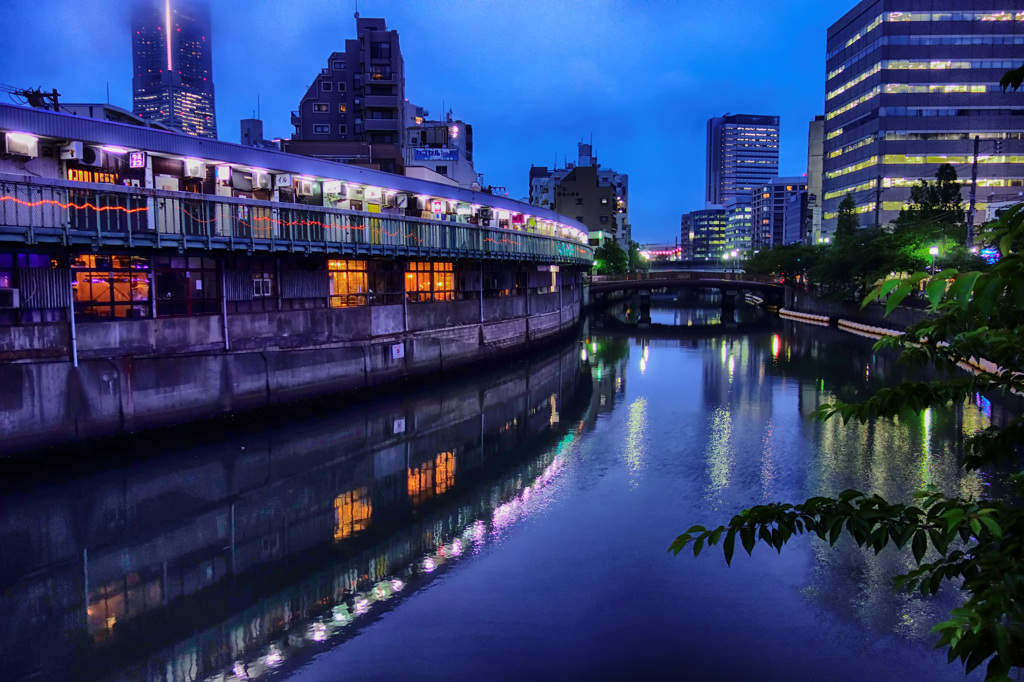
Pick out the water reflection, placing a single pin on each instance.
(227, 559)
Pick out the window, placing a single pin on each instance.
(380, 50)
(110, 287)
(579, 201)
(321, 108)
(342, 108)
(352, 512)
(342, 129)
(326, 86)
(380, 73)
(186, 285)
(348, 285)
(321, 130)
(442, 170)
(341, 87)
(604, 201)
(429, 282)
(339, 66)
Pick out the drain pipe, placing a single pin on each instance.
(71, 320)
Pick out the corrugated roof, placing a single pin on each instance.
(43, 123)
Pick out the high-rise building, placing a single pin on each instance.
(355, 109)
(815, 151)
(911, 84)
(768, 211)
(742, 153)
(173, 66)
(738, 232)
(606, 201)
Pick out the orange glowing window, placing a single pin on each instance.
(426, 281)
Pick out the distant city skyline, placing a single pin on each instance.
(532, 90)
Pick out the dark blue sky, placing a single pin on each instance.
(533, 77)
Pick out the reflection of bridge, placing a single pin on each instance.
(618, 329)
(730, 284)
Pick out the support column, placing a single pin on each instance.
(224, 304)
(71, 319)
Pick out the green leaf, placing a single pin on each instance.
(936, 288)
(729, 545)
(897, 297)
(920, 545)
(747, 538)
(992, 525)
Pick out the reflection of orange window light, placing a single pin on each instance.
(352, 511)
(444, 476)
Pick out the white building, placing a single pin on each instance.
(440, 151)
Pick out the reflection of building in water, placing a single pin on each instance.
(607, 358)
(239, 541)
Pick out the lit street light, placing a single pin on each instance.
(934, 251)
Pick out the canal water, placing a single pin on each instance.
(509, 525)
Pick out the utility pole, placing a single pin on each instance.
(878, 197)
(974, 192)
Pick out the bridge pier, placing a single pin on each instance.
(645, 309)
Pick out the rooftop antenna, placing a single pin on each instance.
(357, 9)
(258, 111)
(108, 92)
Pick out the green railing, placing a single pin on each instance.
(56, 211)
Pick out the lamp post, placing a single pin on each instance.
(934, 251)
(735, 256)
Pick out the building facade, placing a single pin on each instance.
(911, 84)
(742, 153)
(172, 81)
(708, 229)
(815, 152)
(440, 150)
(354, 111)
(604, 193)
(738, 226)
(768, 211)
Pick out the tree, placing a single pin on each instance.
(637, 262)
(610, 259)
(788, 262)
(846, 222)
(938, 203)
(976, 544)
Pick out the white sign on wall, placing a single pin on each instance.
(398, 426)
(397, 351)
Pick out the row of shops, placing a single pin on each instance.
(105, 286)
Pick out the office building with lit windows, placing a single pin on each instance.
(172, 82)
(768, 212)
(707, 234)
(909, 85)
(354, 111)
(742, 153)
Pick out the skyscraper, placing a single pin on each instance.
(911, 84)
(742, 153)
(173, 68)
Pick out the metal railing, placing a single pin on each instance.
(57, 211)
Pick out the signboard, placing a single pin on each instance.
(82, 175)
(431, 154)
(397, 351)
(332, 186)
(137, 160)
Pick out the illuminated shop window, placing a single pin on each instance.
(352, 511)
(348, 283)
(111, 287)
(433, 281)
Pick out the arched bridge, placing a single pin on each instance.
(725, 281)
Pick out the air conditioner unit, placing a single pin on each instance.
(194, 168)
(72, 151)
(260, 180)
(282, 180)
(304, 188)
(9, 299)
(92, 156)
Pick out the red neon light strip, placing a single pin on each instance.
(54, 202)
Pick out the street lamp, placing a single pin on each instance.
(934, 251)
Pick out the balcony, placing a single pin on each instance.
(381, 124)
(380, 101)
(379, 78)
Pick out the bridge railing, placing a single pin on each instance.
(684, 275)
(64, 212)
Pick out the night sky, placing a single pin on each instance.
(533, 77)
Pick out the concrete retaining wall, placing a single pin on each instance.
(141, 374)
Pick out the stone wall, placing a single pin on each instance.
(140, 374)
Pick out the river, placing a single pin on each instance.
(512, 524)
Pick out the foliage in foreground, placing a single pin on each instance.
(978, 543)
(610, 259)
